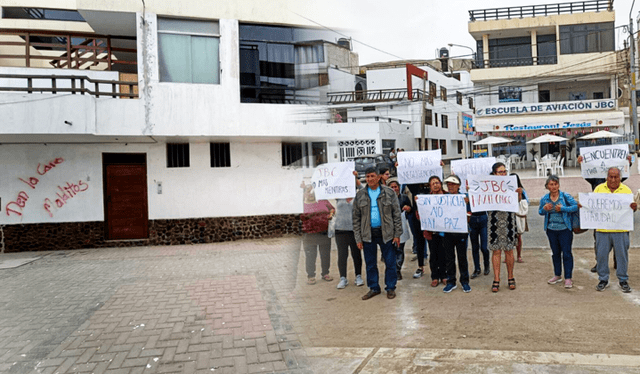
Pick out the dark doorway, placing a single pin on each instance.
(125, 195)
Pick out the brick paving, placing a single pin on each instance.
(186, 309)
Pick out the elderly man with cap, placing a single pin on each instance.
(456, 243)
(618, 239)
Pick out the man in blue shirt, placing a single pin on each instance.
(376, 221)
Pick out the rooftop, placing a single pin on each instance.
(540, 10)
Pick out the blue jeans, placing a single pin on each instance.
(370, 251)
(560, 242)
(478, 230)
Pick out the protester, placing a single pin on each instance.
(618, 239)
(521, 216)
(405, 207)
(478, 239)
(345, 241)
(556, 207)
(376, 221)
(315, 223)
(455, 245)
(435, 241)
(502, 233)
(385, 174)
(419, 242)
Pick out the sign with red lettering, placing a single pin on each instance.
(334, 180)
(493, 192)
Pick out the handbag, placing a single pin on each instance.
(575, 220)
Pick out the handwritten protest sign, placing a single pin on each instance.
(471, 166)
(492, 192)
(606, 211)
(418, 167)
(596, 161)
(334, 181)
(443, 213)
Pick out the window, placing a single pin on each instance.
(471, 103)
(291, 153)
(41, 13)
(459, 97)
(435, 118)
(587, 38)
(177, 155)
(304, 154)
(598, 95)
(544, 96)
(445, 121)
(443, 93)
(307, 54)
(460, 146)
(479, 53)
(434, 144)
(577, 96)
(188, 51)
(443, 146)
(220, 155)
(319, 153)
(507, 94)
(547, 52)
(510, 52)
(428, 117)
(432, 92)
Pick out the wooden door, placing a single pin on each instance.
(126, 212)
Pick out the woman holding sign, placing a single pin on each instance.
(556, 207)
(503, 236)
(435, 240)
(315, 224)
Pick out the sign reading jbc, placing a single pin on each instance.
(537, 108)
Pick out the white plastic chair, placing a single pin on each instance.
(549, 164)
(538, 167)
(521, 161)
(560, 166)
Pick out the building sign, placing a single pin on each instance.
(508, 94)
(467, 124)
(545, 108)
(546, 126)
(353, 148)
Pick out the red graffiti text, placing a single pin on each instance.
(20, 203)
(43, 169)
(65, 193)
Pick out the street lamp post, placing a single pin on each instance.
(473, 53)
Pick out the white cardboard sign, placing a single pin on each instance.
(334, 181)
(606, 211)
(596, 161)
(493, 192)
(443, 213)
(471, 166)
(418, 167)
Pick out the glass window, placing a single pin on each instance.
(510, 52)
(508, 94)
(443, 146)
(220, 155)
(188, 51)
(445, 121)
(177, 155)
(587, 38)
(443, 93)
(547, 52)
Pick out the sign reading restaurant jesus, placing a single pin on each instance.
(538, 108)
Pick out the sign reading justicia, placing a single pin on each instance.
(538, 108)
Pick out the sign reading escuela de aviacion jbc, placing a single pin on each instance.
(538, 108)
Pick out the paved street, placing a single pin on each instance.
(236, 308)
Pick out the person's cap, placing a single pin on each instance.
(452, 179)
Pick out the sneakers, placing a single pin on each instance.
(418, 273)
(475, 274)
(568, 283)
(554, 280)
(625, 287)
(449, 287)
(603, 284)
(370, 294)
(343, 283)
(466, 287)
(359, 281)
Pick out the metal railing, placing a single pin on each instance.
(540, 10)
(374, 95)
(77, 84)
(518, 61)
(277, 95)
(68, 50)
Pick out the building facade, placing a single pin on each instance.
(127, 123)
(548, 69)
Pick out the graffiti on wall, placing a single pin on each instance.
(64, 193)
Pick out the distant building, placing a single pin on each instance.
(548, 68)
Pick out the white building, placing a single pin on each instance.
(548, 68)
(157, 125)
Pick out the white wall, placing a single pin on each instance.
(255, 184)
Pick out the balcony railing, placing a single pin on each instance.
(69, 84)
(278, 95)
(540, 10)
(518, 61)
(374, 95)
(68, 50)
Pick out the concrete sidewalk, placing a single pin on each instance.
(244, 307)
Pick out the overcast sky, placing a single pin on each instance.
(415, 29)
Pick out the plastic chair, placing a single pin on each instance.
(560, 166)
(521, 162)
(538, 167)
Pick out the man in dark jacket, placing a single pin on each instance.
(376, 221)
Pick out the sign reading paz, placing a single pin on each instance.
(471, 166)
(334, 181)
(443, 213)
(418, 167)
(596, 161)
(606, 211)
(492, 192)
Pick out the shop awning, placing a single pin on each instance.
(549, 122)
